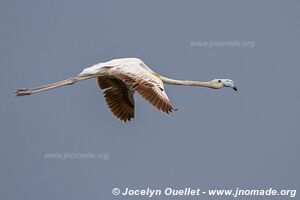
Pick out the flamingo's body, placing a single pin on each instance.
(121, 78)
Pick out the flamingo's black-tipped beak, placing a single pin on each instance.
(234, 88)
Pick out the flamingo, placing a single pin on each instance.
(121, 78)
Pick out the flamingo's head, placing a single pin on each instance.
(219, 83)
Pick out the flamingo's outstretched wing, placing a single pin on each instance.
(118, 97)
(145, 83)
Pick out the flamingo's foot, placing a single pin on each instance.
(23, 92)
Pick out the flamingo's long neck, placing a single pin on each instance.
(186, 82)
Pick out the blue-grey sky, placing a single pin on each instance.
(217, 139)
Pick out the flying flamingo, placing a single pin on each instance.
(120, 78)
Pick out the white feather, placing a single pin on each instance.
(101, 68)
